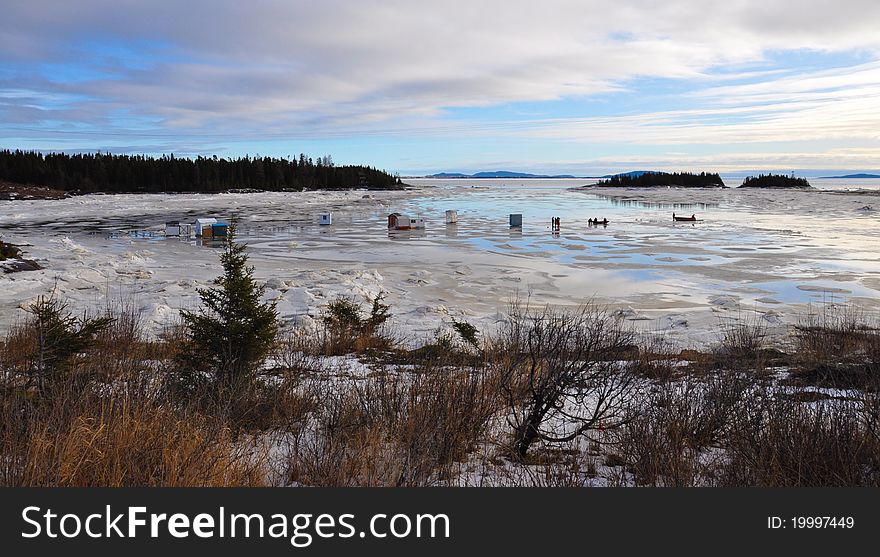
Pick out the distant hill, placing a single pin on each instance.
(861, 176)
(498, 174)
(775, 181)
(449, 175)
(631, 174)
(641, 179)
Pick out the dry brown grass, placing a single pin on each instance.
(743, 345)
(393, 429)
(837, 346)
(136, 445)
(104, 422)
(734, 430)
(781, 442)
(656, 358)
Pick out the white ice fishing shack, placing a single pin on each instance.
(325, 219)
(451, 216)
(172, 229)
(202, 226)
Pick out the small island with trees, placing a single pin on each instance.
(23, 173)
(775, 181)
(664, 179)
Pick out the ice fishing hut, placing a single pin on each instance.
(202, 226)
(451, 217)
(219, 230)
(516, 220)
(396, 221)
(325, 219)
(172, 229)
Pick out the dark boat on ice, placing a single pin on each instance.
(692, 218)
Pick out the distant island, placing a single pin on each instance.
(775, 181)
(646, 179)
(861, 176)
(21, 171)
(498, 174)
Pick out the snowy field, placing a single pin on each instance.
(758, 254)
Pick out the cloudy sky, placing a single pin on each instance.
(584, 86)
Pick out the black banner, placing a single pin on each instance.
(508, 521)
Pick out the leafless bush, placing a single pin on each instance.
(677, 424)
(778, 441)
(562, 374)
(393, 429)
(742, 345)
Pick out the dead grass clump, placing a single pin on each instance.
(656, 358)
(780, 442)
(115, 443)
(676, 425)
(393, 429)
(127, 446)
(837, 347)
(743, 345)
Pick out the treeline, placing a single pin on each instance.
(775, 181)
(657, 179)
(104, 172)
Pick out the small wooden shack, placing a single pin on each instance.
(203, 225)
(397, 221)
(515, 220)
(451, 216)
(325, 219)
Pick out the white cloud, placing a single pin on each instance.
(335, 67)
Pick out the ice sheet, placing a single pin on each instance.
(758, 253)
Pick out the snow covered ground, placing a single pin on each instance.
(755, 254)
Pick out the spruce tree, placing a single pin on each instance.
(59, 338)
(233, 332)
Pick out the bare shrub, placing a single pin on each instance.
(743, 345)
(778, 441)
(393, 429)
(561, 374)
(676, 424)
